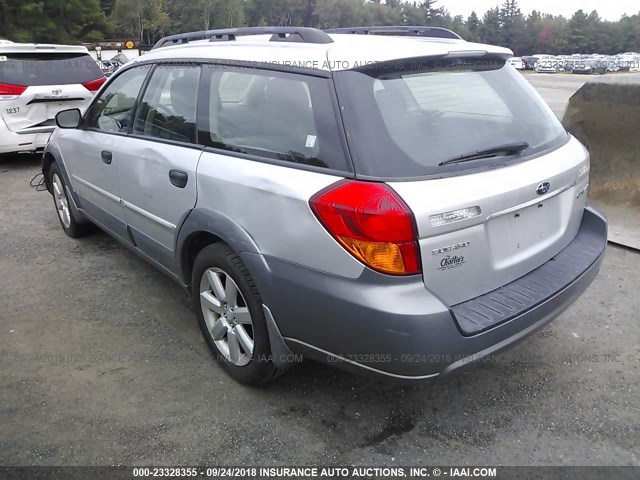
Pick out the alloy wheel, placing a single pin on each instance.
(62, 204)
(227, 316)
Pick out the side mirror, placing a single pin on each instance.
(68, 118)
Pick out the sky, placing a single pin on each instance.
(608, 9)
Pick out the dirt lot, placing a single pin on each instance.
(102, 362)
(557, 88)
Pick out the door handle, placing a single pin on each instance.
(107, 157)
(178, 178)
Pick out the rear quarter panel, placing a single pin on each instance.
(271, 203)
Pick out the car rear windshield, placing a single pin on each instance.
(421, 113)
(36, 69)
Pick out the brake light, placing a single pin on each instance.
(94, 85)
(372, 223)
(8, 91)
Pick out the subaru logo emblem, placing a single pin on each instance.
(56, 93)
(543, 188)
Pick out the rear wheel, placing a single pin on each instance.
(61, 201)
(229, 310)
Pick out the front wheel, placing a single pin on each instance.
(229, 310)
(61, 201)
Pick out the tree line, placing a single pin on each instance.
(75, 21)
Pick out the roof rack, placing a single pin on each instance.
(409, 31)
(286, 34)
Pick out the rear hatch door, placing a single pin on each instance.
(496, 184)
(481, 231)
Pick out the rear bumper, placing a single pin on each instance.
(536, 287)
(392, 327)
(22, 141)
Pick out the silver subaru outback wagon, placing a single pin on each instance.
(398, 206)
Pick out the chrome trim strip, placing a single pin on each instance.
(33, 130)
(148, 215)
(541, 198)
(97, 189)
(340, 358)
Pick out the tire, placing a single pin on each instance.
(60, 200)
(229, 326)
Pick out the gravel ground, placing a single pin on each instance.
(102, 362)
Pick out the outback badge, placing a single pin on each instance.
(450, 248)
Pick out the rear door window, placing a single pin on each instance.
(275, 115)
(37, 69)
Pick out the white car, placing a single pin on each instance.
(548, 64)
(517, 63)
(36, 82)
(628, 61)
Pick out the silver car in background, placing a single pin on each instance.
(549, 64)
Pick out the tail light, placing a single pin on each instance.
(9, 92)
(94, 85)
(372, 223)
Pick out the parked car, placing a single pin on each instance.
(112, 66)
(264, 187)
(104, 67)
(566, 62)
(611, 64)
(107, 67)
(548, 64)
(590, 66)
(626, 61)
(529, 62)
(517, 63)
(37, 82)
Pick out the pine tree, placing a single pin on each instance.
(74, 21)
(473, 27)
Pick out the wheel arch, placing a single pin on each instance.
(201, 228)
(47, 160)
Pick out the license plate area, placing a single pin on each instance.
(526, 231)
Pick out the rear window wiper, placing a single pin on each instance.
(507, 149)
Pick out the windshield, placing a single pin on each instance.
(36, 69)
(420, 118)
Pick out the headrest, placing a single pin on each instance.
(286, 94)
(183, 98)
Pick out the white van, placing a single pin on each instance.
(36, 82)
